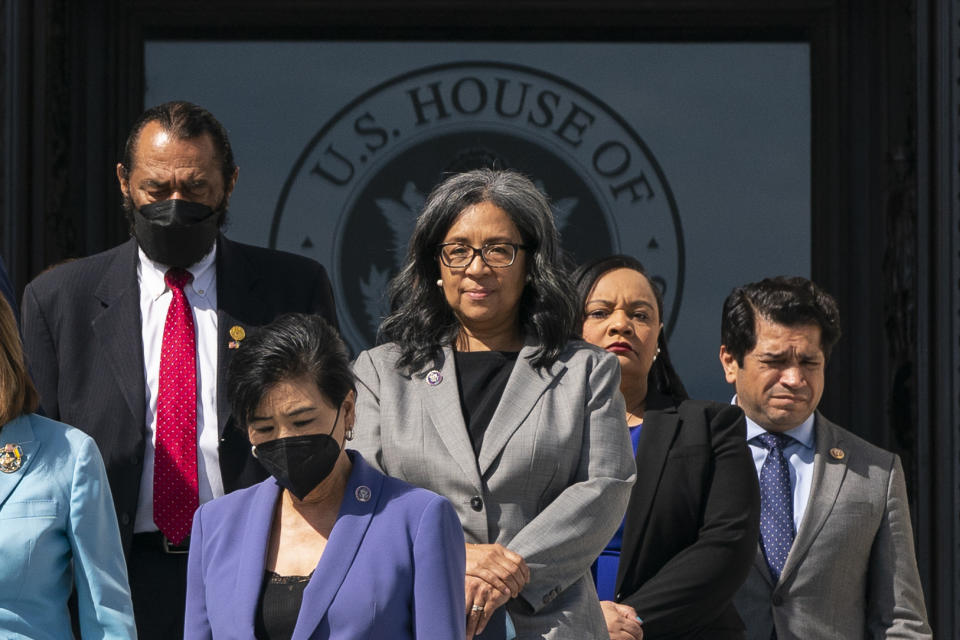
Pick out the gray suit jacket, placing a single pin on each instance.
(851, 572)
(552, 479)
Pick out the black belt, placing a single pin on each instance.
(156, 541)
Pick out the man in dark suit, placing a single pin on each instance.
(836, 556)
(132, 345)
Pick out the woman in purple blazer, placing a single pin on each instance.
(328, 547)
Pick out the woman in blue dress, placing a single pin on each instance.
(691, 527)
(58, 528)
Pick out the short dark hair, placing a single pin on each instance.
(421, 321)
(662, 377)
(292, 346)
(184, 120)
(785, 300)
(18, 395)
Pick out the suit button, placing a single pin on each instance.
(476, 503)
(777, 599)
(124, 519)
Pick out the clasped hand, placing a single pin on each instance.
(494, 575)
(622, 623)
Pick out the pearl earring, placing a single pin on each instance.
(656, 354)
(439, 282)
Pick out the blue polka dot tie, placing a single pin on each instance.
(776, 503)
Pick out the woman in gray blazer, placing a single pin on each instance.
(480, 394)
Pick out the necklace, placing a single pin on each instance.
(634, 418)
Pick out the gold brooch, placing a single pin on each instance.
(11, 458)
(837, 454)
(238, 334)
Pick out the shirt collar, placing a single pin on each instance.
(803, 433)
(152, 274)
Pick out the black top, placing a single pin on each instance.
(483, 376)
(279, 606)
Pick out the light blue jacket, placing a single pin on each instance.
(58, 530)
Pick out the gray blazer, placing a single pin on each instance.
(552, 479)
(852, 571)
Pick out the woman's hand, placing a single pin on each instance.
(622, 623)
(501, 568)
(481, 600)
(494, 575)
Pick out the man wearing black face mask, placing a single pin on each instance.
(132, 345)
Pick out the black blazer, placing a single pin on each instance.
(82, 337)
(692, 523)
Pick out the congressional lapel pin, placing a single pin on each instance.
(434, 378)
(11, 458)
(837, 454)
(238, 334)
(362, 493)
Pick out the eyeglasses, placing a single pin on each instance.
(497, 255)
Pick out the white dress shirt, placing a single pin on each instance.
(155, 299)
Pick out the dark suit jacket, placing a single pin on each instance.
(692, 522)
(82, 337)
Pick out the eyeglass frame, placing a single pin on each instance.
(516, 247)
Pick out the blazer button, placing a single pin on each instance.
(476, 503)
(124, 519)
(777, 599)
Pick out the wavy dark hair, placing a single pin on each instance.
(421, 322)
(662, 377)
(17, 393)
(293, 345)
(787, 300)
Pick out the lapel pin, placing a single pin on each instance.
(11, 458)
(238, 334)
(434, 378)
(837, 454)
(362, 493)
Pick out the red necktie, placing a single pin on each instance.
(175, 465)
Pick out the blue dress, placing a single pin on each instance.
(605, 568)
(58, 533)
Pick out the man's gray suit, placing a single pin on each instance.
(851, 572)
(551, 481)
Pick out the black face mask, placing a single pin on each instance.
(300, 463)
(176, 233)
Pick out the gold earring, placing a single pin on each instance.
(348, 434)
(253, 450)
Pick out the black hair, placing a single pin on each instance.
(185, 121)
(292, 346)
(421, 322)
(662, 378)
(789, 301)
(18, 395)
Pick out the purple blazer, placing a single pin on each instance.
(393, 567)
